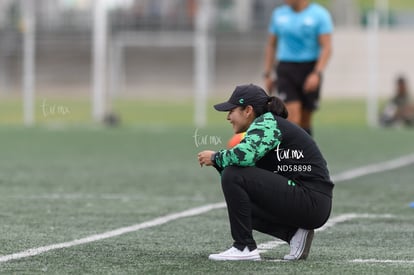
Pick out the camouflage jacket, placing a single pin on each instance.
(279, 146)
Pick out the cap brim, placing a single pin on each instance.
(224, 107)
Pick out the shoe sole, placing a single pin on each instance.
(308, 243)
(234, 259)
(303, 255)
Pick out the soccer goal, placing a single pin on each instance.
(200, 40)
(108, 53)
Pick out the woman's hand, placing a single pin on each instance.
(204, 158)
(312, 82)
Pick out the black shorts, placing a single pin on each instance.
(291, 78)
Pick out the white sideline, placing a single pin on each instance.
(263, 247)
(374, 168)
(377, 261)
(347, 175)
(114, 233)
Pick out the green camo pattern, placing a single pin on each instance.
(262, 136)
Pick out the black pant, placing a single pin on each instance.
(267, 202)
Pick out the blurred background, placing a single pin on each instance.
(100, 53)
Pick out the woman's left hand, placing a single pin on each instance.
(204, 158)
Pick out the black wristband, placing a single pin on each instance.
(213, 158)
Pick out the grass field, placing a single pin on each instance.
(60, 184)
(54, 111)
(369, 4)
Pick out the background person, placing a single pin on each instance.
(275, 180)
(299, 43)
(399, 109)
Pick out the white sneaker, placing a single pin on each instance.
(300, 245)
(234, 254)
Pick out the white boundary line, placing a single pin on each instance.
(357, 261)
(347, 175)
(264, 247)
(117, 232)
(377, 261)
(374, 168)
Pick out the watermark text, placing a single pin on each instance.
(53, 109)
(200, 140)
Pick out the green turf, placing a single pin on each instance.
(369, 4)
(58, 184)
(392, 4)
(149, 112)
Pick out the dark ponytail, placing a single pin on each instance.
(274, 105)
(277, 107)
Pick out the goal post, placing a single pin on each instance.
(203, 52)
(99, 53)
(374, 23)
(29, 68)
(372, 96)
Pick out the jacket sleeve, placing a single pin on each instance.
(262, 136)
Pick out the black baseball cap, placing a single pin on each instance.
(244, 95)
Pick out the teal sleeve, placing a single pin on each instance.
(262, 136)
